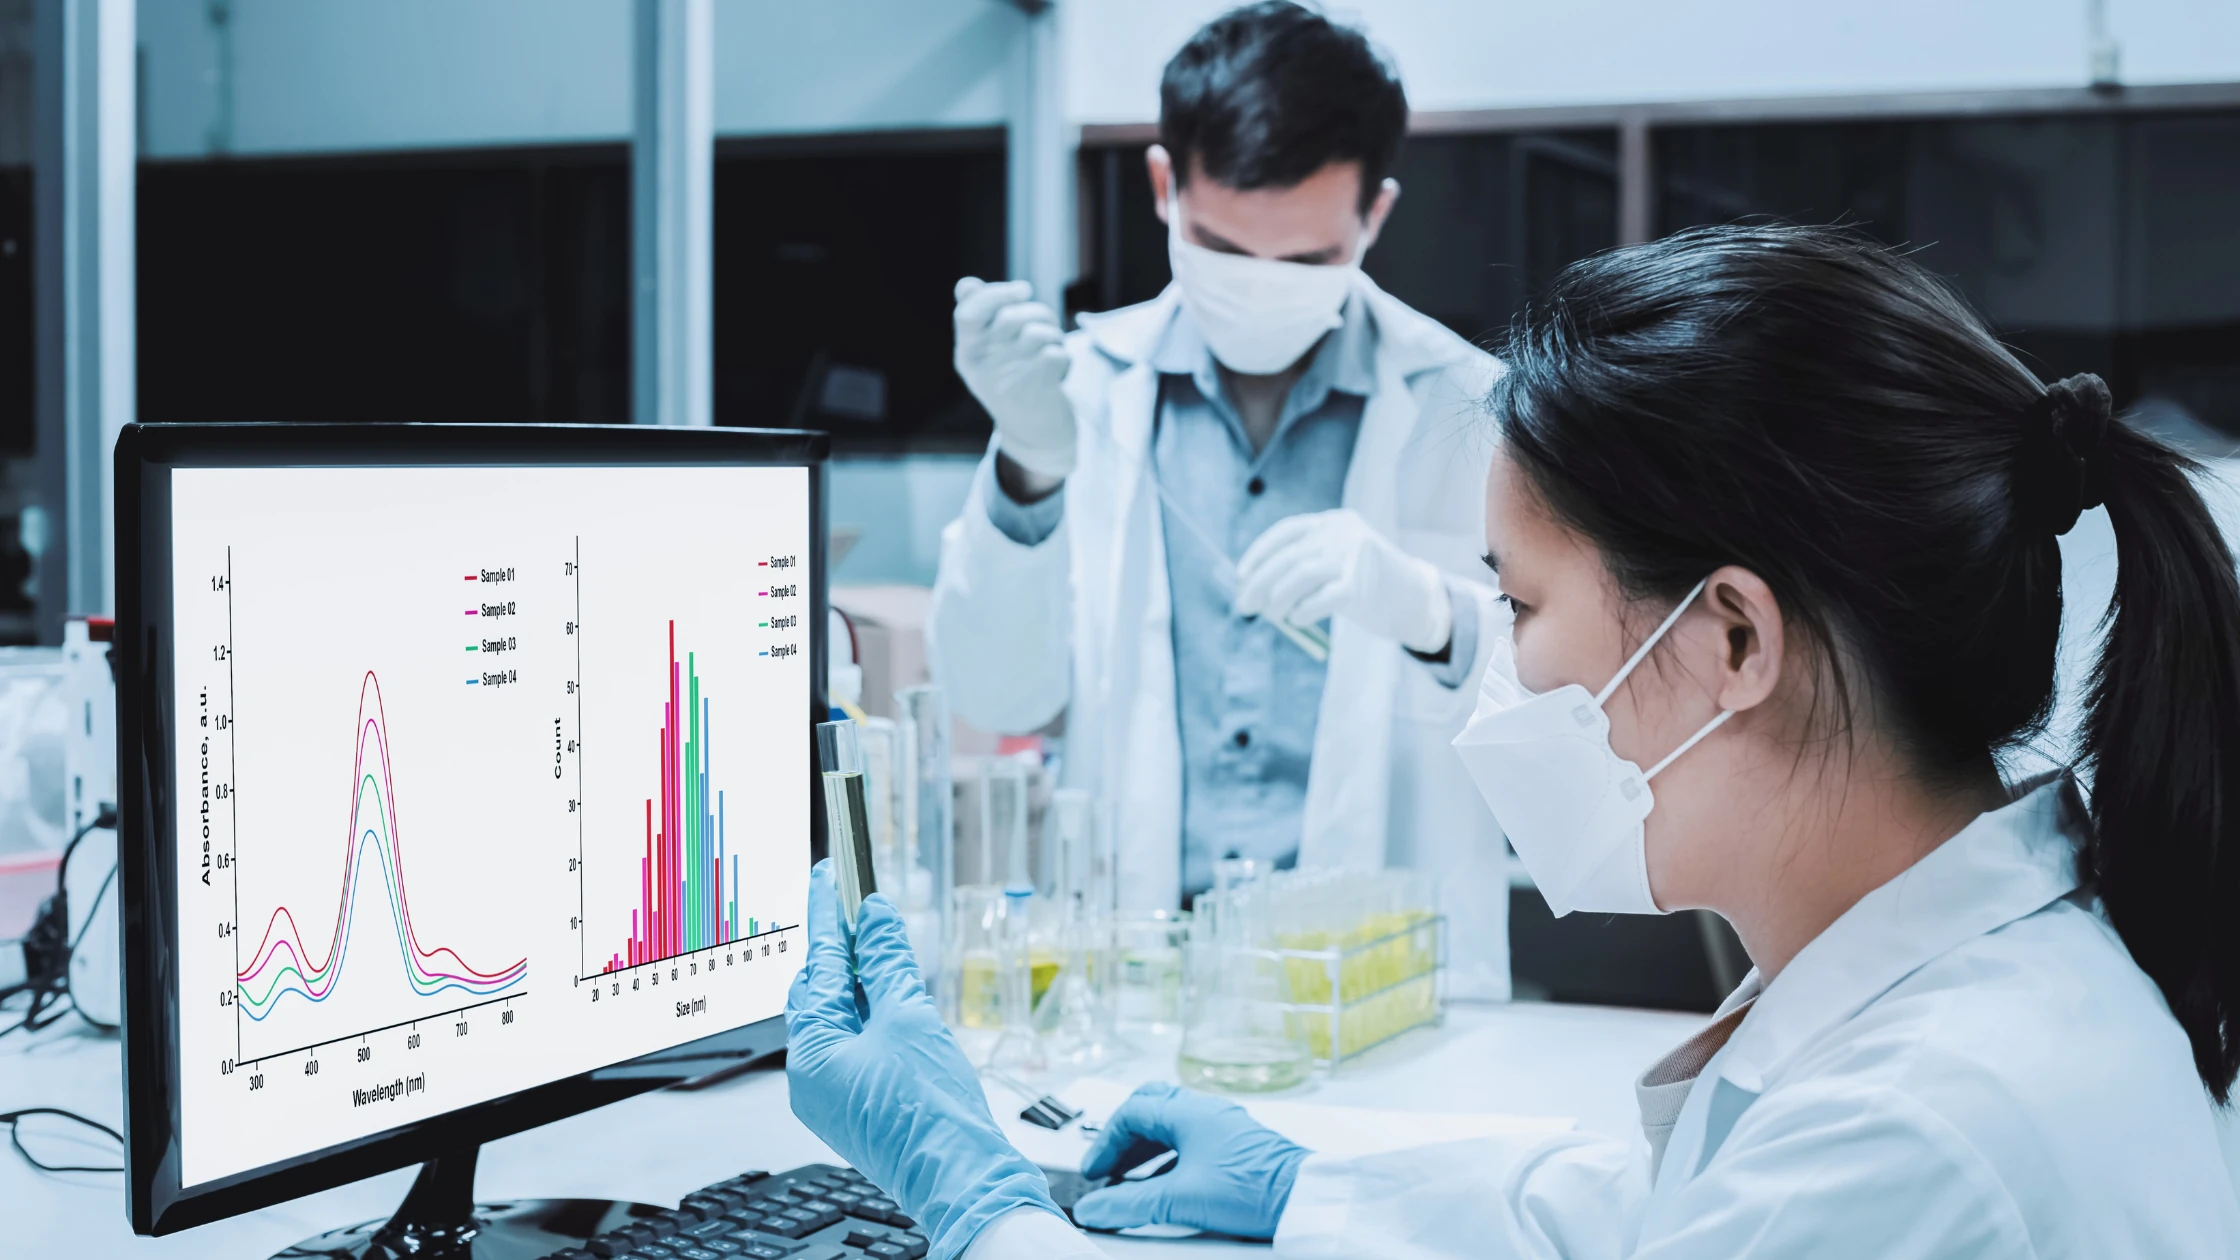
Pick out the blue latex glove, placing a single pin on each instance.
(892, 1092)
(1231, 1175)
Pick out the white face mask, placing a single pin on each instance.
(1572, 807)
(1258, 315)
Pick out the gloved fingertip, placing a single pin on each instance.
(969, 285)
(1121, 1207)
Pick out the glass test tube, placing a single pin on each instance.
(847, 822)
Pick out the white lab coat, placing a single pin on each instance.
(1080, 624)
(1966, 1064)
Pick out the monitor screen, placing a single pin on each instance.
(486, 776)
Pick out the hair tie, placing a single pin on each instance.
(2060, 471)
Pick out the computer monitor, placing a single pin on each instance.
(467, 778)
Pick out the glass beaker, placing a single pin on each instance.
(1240, 1036)
(1148, 947)
(971, 970)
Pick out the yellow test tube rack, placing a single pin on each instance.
(1354, 990)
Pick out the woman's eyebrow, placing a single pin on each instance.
(1493, 561)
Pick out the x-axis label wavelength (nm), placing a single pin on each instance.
(363, 1033)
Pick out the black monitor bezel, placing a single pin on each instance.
(145, 456)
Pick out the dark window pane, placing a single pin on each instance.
(2092, 243)
(834, 280)
(450, 287)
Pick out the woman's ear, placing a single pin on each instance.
(1751, 632)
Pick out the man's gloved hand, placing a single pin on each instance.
(1011, 354)
(892, 1093)
(1230, 1175)
(1321, 564)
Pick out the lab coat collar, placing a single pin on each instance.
(2009, 863)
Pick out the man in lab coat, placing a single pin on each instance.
(1182, 494)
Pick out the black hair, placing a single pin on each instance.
(1266, 95)
(1822, 411)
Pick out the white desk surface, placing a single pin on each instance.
(1526, 1058)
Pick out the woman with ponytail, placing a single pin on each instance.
(1776, 518)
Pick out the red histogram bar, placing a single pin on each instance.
(687, 899)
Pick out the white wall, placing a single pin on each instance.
(310, 75)
(901, 506)
(323, 75)
(1487, 54)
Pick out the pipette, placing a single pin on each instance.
(1309, 639)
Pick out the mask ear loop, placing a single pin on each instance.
(1689, 743)
(1643, 651)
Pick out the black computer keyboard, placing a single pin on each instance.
(816, 1212)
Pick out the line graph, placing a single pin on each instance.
(283, 964)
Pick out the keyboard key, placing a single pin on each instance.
(703, 1207)
(826, 1213)
(862, 1237)
(744, 1219)
(570, 1253)
(654, 1251)
(886, 1251)
(785, 1226)
(764, 1238)
(913, 1242)
(721, 1227)
(723, 1246)
(698, 1253)
(609, 1246)
(820, 1251)
(868, 1209)
(762, 1251)
(899, 1221)
(667, 1223)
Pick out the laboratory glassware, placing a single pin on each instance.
(1312, 640)
(1148, 948)
(1004, 863)
(928, 836)
(1240, 1036)
(881, 741)
(1077, 1014)
(847, 825)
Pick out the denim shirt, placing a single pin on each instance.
(1246, 698)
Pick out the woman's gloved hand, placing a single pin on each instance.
(892, 1092)
(1231, 1175)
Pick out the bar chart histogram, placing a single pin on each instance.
(688, 877)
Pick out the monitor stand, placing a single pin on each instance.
(439, 1220)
